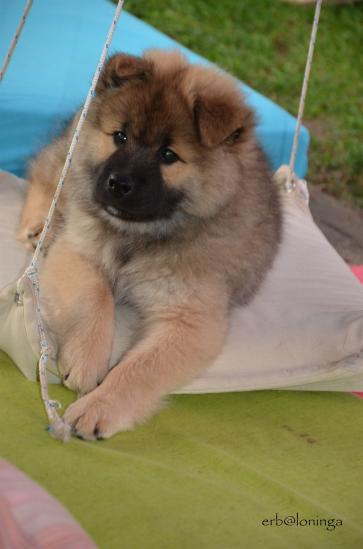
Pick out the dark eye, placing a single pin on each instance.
(119, 138)
(168, 156)
(234, 136)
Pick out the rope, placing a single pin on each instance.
(289, 185)
(15, 39)
(57, 426)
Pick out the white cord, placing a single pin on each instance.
(289, 185)
(15, 39)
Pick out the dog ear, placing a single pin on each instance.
(121, 68)
(222, 118)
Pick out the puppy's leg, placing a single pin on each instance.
(35, 209)
(176, 347)
(80, 312)
(43, 174)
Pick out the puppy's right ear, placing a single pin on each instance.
(121, 68)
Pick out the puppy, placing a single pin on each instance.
(169, 207)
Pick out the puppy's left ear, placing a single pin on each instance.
(121, 68)
(222, 117)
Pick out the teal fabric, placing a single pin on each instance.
(205, 473)
(53, 64)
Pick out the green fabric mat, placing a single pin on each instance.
(204, 473)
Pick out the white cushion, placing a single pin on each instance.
(303, 330)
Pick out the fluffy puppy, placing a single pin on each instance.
(169, 207)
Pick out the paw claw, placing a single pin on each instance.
(97, 434)
(34, 233)
(29, 235)
(81, 377)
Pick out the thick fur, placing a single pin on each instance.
(189, 240)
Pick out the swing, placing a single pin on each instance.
(304, 329)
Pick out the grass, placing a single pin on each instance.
(264, 43)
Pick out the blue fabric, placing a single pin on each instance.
(53, 64)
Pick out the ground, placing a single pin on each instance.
(341, 224)
(264, 43)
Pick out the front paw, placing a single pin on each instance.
(103, 413)
(80, 376)
(81, 371)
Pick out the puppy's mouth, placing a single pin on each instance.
(125, 215)
(132, 211)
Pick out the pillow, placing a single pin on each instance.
(303, 330)
(53, 63)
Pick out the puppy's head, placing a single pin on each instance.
(166, 141)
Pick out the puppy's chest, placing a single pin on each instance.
(144, 280)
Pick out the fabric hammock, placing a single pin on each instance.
(303, 330)
(204, 473)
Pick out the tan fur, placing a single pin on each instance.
(182, 275)
(81, 312)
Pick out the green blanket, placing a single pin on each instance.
(208, 472)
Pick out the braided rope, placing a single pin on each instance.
(57, 426)
(15, 39)
(289, 185)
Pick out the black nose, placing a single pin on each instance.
(119, 185)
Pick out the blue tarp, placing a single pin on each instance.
(50, 72)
